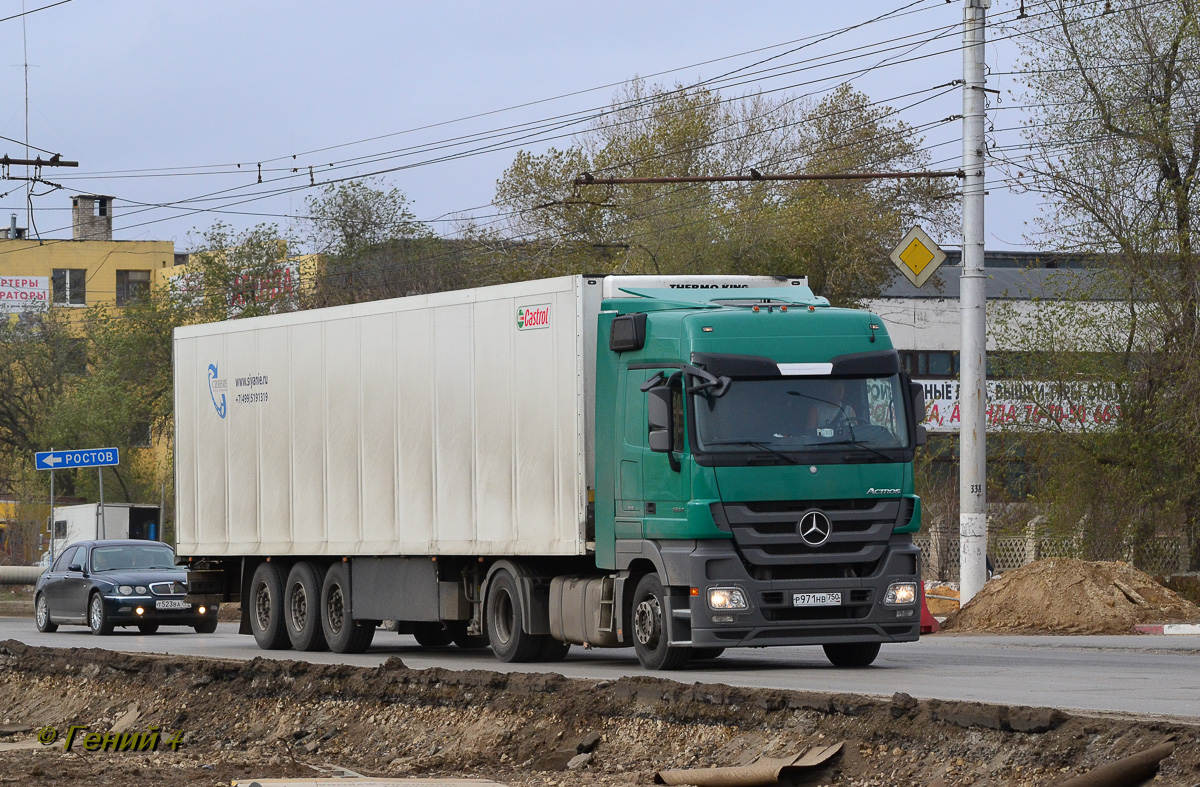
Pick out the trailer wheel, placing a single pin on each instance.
(343, 633)
(505, 629)
(650, 628)
(432, 635)
(851, 654)
(302, 603)
(266, 607)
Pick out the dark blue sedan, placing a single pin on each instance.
(102, 584)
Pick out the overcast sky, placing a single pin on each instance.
(160, 101)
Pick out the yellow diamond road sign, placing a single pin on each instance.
(917, 256)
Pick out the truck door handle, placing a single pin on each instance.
(651, 508)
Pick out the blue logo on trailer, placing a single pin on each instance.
(88, 457)
(220, 385)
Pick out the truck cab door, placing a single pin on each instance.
(630, 453)
(665, 487)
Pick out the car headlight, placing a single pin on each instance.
(727, 598)
(141, 590)
(125, 590)
(900, 594)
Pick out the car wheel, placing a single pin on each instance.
(207, 626)
(266, 607)
(98, 620)
(650, 640)
(343, 633)
(148, 628)
(851, 654)
(41, 615)
(302, 602)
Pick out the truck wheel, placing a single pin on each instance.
(302, 602)
(41, 615)
(207, 627)
(852, 654)
(509, 641)
(343, 633)
(266, 607)
(432, 635)
(98, 620)
(553, 650)
(650, 628)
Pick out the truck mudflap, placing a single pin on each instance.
(731, 607)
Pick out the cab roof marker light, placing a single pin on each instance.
(806, 369)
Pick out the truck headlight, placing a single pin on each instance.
(900, 594)
(726, 598)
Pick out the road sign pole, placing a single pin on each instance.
(103, 524)
(972, 468)
(52, 516)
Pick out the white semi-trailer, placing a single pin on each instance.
(526, 466)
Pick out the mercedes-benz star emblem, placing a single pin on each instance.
(815, 528)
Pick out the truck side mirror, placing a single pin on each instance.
(918, 401)
(921, 436)
(658, 417)
(628, 332)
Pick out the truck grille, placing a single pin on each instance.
(767, 536)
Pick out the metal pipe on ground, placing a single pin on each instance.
(1126, 772)
(19, 575)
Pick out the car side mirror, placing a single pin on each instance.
(75, 567)
(658, 418)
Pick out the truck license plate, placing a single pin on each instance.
(171, 604)
(816, 599)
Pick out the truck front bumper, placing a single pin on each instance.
(794, 611)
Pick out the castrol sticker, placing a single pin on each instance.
(531, 318)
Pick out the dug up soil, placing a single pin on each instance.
(281, 719)
(1064, 596)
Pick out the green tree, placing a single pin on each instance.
(836, 233)
(373, 247)
(1114, 146)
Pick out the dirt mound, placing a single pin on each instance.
(277, 719)
(1064, 596)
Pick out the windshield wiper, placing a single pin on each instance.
(757, 444)
(861, 444)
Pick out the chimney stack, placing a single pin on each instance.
(91, 217)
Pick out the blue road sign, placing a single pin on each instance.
(88, 457)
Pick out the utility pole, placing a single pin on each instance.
(972, 467)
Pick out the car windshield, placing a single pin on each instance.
(135, 556)
(789, 414)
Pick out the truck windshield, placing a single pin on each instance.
(791, 414)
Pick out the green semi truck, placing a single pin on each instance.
(677, 464)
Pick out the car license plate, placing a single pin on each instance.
(816, 599)
(171, 604)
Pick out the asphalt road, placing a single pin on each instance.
(1157, 675)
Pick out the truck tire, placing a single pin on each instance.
(302, 607)
(650, 628)
(343, 633)
(505, 622)
(553, 650)
(266, 607)
(851, 654)
(432, 635)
